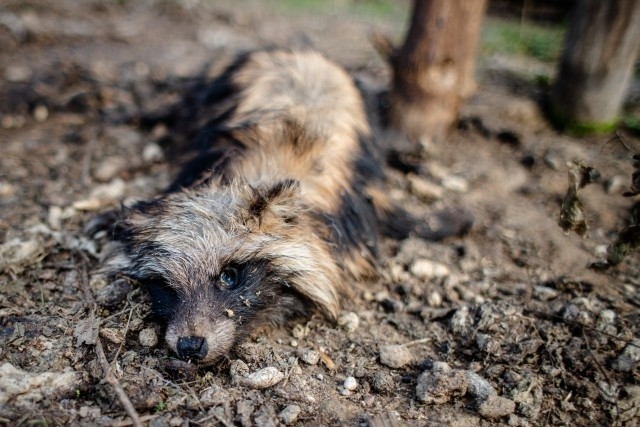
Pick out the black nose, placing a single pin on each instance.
(192, 348)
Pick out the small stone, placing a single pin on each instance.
(102, 195)
(424, 189)
(439, 387)
(395, 356)
(17, 73)
(383, 382)
(300, 331)
(54, 217)
(496, 407)
(176, 421)
(349, 321)
(605, 318)
(629, 358)
(478, 387)
(289, 414)
(263, 378)
(114, 293)
(148, 337)
(570, 312)
(434, 299)
(350, 383)
(441, 367)
(310, 357)
(460, 320)
(427, 269)
(136, 324)
(482, 341)
(108, 169)
(346, 392)
(152, 153)
(455, 183)
(40, 113)
(615, 184)
(83, 412)
(368, 401)
(544, 293)
(7, 190)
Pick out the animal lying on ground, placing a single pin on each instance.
(277, 216)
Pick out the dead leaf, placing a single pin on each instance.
(86, 331)
(572, 216)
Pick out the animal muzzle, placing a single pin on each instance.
(192, 348)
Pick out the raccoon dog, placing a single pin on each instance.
(274, 219)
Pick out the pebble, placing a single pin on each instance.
(17, 73)
(496, 407)
(383, 382)
(289, 414)
(7, 190)
(148, 337)
(570, 312)
(436, 387)
(434, 299)
(427, 269)
(478, 387)
(40, 113)
(108, 169)
(395, 356)
(350, 383)
(629, 358)
(114, 293)
(455, 183)
(101, 196)
(349, 321)
(310, 357)
(368, 401)
(424, 189)
(54, 217)
(300, 331)
(460, 320)
(152, 153)
(605, 318)
(615, 185)
(263, 378)
(544, 293)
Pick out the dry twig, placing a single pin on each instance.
(102, 359)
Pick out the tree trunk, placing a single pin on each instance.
(433, 70)
(601, 49)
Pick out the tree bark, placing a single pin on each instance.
(433, 70)
(601, 48)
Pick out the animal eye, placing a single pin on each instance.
(228, 278)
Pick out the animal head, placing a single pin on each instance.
(220, 259)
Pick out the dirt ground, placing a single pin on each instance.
(506, 326)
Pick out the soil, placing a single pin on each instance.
(505, 326)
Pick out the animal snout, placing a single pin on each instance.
(192, 348)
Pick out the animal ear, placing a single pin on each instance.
(274, 204)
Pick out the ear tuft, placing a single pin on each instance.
(274, 203)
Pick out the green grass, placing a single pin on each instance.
(543, 42)
(381, 9)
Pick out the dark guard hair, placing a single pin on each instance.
(276, 214)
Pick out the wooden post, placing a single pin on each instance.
(433, 70)
(601, 48)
